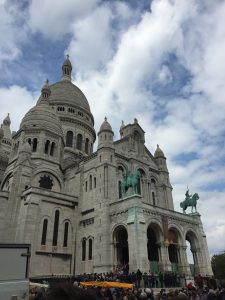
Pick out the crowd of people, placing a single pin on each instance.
(146, 286)
(69, 291)
(139, 279)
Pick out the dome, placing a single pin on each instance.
(158, 153)
(122, 125)
(42, 116)
(105, 126)
(7, 121)
(67, 93)
(45, 91)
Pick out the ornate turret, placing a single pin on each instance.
(159, 153)
(7, 121)
(7, 136)
(160, 158)
(66, 69)
(105, 135)
(45, 91)
(121, 129)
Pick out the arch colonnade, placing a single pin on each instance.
(154, 251)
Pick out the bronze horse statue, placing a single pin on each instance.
(130, 180)
(189, 201)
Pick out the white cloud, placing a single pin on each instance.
(55, 18)
(16, 100)
(91, 44)
(10, 37)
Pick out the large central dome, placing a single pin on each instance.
(66, 92)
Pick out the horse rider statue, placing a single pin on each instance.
(189, 201)
(130, 180)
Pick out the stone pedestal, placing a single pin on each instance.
(137, 240)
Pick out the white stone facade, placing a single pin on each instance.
(66, 200)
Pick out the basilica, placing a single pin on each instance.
(74, 206)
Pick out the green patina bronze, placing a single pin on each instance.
(130, 181)
(189, 201)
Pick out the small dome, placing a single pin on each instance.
(105, 126)
(122, 125)
(45, 91)
(66, 69)
(42, 117)
(158, 153)
(67, 62)
(7, 121)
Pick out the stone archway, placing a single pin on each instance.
(153, 247)
(173, 249)
(120, 238)
(191, 239)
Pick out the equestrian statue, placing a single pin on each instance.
(189, 201)
(130, 180)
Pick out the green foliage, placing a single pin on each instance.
(218, 265)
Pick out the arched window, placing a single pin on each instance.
(83, 250)
(29, 141)
(90, 249)
(85, 186)
(56, 228)
(121, 170)
(47, 143)
(66, 229)
(44, 232)
(69, 139)
(153, 198)
(120, 189)
(79, 141)
(34, 149)
(139, 181)
(52, 149)
(94, 182)
(87, 145)
(90, 182)
(46, 182)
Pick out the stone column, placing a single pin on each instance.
(137, 240)
(197, 257)
(184, 265)
(166, 264)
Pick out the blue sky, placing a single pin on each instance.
(160, 61)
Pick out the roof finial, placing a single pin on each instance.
(105, 119)
(66, 69)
